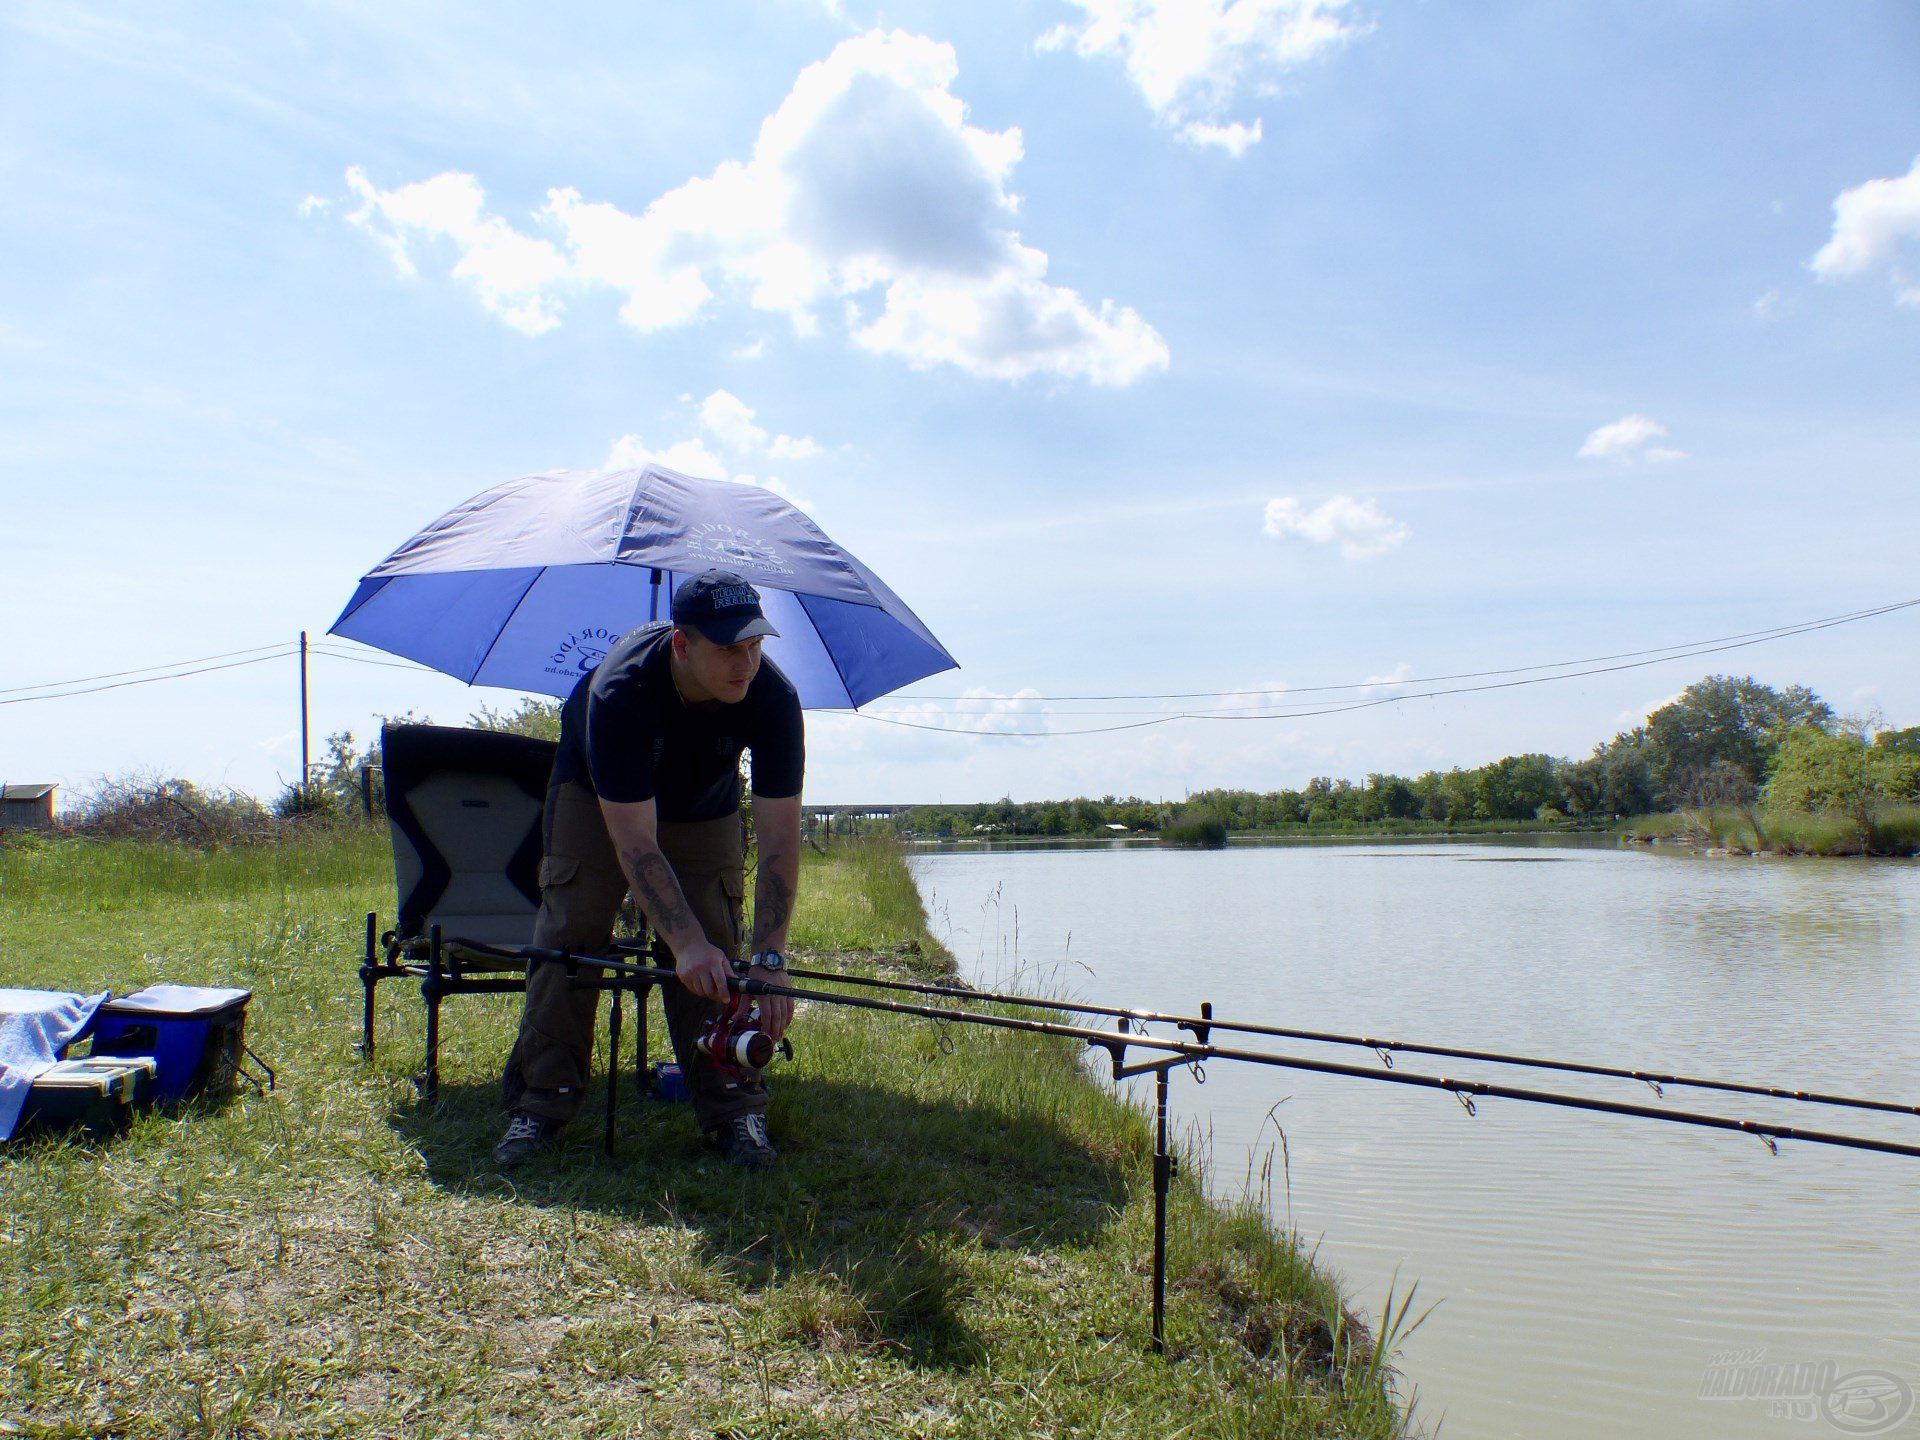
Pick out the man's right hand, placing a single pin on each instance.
(703, 969)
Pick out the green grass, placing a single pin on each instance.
(1896, 831)
(954, 1244)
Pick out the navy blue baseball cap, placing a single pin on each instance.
(722, 606)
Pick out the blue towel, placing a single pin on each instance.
(35, 1026)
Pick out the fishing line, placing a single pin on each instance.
(1117, 1042)
(1385, 1048)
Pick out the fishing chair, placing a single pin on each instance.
(465, 809)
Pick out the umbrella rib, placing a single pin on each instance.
(845, 688)
(352, 610)
(623, 522)
(474, 678)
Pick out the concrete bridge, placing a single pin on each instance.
(843, 818)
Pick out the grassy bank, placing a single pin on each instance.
(1895, 831)
(954, 1243)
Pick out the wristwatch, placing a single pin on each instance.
(771, 960)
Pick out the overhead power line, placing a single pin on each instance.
(1770, 632)
(1563, 670)
(335, 653)
(281, 647)
(280, 654)
(1762, 637)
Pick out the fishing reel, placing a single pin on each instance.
(736, 1044)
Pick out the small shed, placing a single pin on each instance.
(28, 807)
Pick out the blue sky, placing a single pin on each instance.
(1141, 346)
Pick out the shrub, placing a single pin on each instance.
(148, 806)
(1196, 830)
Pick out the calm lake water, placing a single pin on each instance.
(1594, 1274)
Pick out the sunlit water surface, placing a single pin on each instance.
(1590, 1270)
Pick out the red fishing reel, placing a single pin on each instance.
(736, 1044)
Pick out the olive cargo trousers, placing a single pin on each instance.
(581, 889)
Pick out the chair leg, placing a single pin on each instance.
(613, 1063)
(642, 1079)
(369, 977)
(430, 992)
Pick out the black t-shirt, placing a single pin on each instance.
(626, 734)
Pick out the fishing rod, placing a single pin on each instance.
(1176, 1054)
(1386, 1049)
(1201, 1049)
(441, 973)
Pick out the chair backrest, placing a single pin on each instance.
(465, 808)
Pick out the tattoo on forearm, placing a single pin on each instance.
(658, 891)
(772, 906)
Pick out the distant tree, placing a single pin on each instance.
(335, 785)
(1901, 742)
(1397, 796)
(1725, 786)
(537, 718)
(1727, 718)
(1580, 788)
(1457, 797)
(1625, 776)
(1839, 771)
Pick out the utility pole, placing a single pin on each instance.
(305, 773)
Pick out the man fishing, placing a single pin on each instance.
(645, 796)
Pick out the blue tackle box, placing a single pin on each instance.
(196, 1035)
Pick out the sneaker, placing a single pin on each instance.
(526, 1136)
(744, 1142)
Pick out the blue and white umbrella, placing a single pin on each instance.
(527, 585)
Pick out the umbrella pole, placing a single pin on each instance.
(653, 598)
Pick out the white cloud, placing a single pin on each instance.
(1628, 439)
(1358, 527)
(729, 420)
(751, 351)
(1233, 137)
(730, 423)
(313, 205)
(979, 711)
(1399, 675)
(1193, 60)
(1871, 223)
(285, 743)
(1767, 306)
(515, 275)
(1631, 718)
(690, 457)
(867, 195)
(787, 447)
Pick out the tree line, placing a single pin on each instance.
(1725, 741)
(1726, 744)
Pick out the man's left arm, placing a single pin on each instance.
(776, 828)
